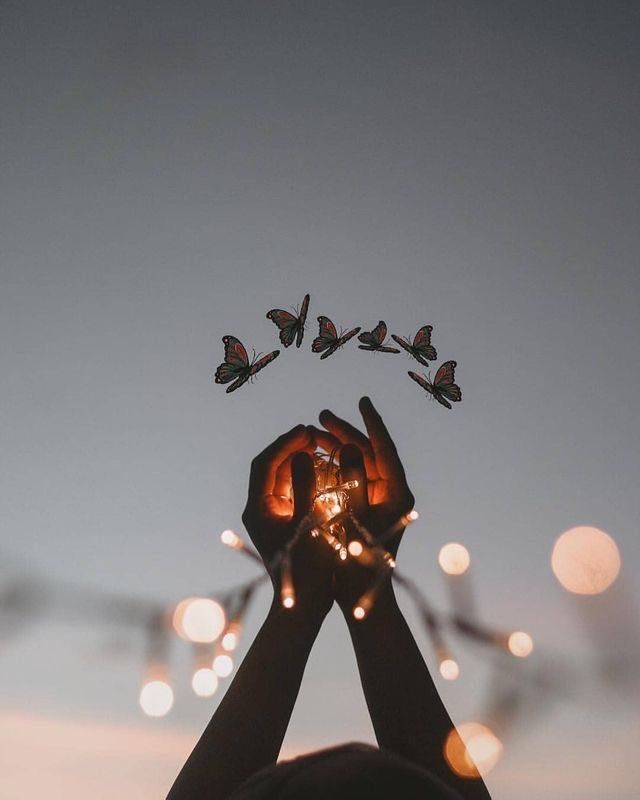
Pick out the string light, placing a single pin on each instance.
(233, 541)
(230, 639)
(156, 698)
(449, 669)
(355, 548)
(472, 749)
(204, 682)
(223, 665)
(287, 592)
(585, 560)
(340, 487)
(454, 558)
(520, 644)
(199, 619)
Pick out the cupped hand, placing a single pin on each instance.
(381, 500)
(282, 488)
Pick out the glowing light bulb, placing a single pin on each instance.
(336, 508)
(520, 644)
(454, 558)
(230, 641)
(449, 669)
(355, 548)
(413, 515)
(472, 749)
(585, 560)
(315, 533)
(288, 601)
(287, 592)
(199, 619)
(343, 554)
(204, 682)
(156, 698)
(223, 665)
(231, 539)
(359, 612)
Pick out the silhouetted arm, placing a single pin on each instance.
(248, 727)
(247, 730)
(407, 713)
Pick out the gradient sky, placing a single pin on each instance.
(170, 172)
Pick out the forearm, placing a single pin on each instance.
(407, 713)
(248, 727)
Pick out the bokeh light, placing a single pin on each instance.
(223, 665)
(204, 682)
(472, 750)
(520, 644)
(230, 641)
(156, 698)
(359, 612)
(199, 619)
(454, 558)
(355, 548)
(449, 669)
(230, 538)
(585, 560)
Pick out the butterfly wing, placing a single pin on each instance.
(327, 336)
(252, 369)
(404, 343)
(422, 343)
(236, 361)
(288, 324)
(444, 385)
(420, 379)
(262, 362)
(302, 318)
(339, 342)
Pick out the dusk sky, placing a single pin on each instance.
(170, 172)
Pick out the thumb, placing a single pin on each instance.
(303, 483)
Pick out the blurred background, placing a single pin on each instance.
(171, 171)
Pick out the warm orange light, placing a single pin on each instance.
(355, 548)
(156, 698)
(359, 612)
(223, 665)
(336, 509)
(199, 619)
(472, 749)
(288, 601)
(520, 644)
(454, 558)
(449, 669)
(204, 682)
(585, 560)
(230, 538)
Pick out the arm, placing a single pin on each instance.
(406, 711)
(247, 729)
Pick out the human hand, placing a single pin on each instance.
(282, 488)
(381, 499)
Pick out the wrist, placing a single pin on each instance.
(300, 619)
(384, 608)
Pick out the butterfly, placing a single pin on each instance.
(373, 340)
(236, 366)
(291, 327)
(443, 387)
(421, 349)
(328, 339)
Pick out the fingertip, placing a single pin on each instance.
(324, 415)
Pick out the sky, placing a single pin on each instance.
(170, 172)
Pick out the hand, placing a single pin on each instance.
(282, 488)
(382, 496)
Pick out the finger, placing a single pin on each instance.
(327, 441)
(352, 468)
(303, 481)
(384, 449)
(348, 434)
(282, 482)
(265, 465)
